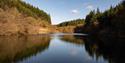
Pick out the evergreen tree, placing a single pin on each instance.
(72, 23)
(26, 9)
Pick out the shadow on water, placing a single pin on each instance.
(110, 48)
(72, 39)
(65, 48)
(15, 48)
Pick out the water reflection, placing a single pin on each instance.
(110, 48)
(16, 48)
(56, 48)
(72, 39)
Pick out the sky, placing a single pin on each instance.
(65, 10)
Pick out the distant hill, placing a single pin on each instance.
(71, 23)
(69, 26)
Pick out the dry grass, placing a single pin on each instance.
(12, 22)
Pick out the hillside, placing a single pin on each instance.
(26, 9)
(17, 17)
(69, 26)
(71, 23)
(110, 23)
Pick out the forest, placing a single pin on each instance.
(20, 18)
(71, 23)
(69, 26)
(26, 9)
(110, 22)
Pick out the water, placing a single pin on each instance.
(52, 48)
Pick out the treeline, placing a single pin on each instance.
(26, 9)
(111, 21)
(71, 23)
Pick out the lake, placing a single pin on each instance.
(51, 48)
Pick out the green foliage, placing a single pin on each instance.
(112, 19)
(26, 9)
(72, 23)
(89, 17)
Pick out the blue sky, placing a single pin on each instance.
(64, 10)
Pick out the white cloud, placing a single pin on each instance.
(90, 7)
(75, 11)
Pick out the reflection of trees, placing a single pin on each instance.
(16, 48)
(111, 48)
(72, 39)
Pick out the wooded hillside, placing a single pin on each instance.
(69, 26)
(20, 18)
(26, 9)
(71, 23)
(111, 22)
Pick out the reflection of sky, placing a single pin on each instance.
(63, 52)
(63, 10)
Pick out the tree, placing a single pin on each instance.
(72, 23)
(25, 9)
(89, 17)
